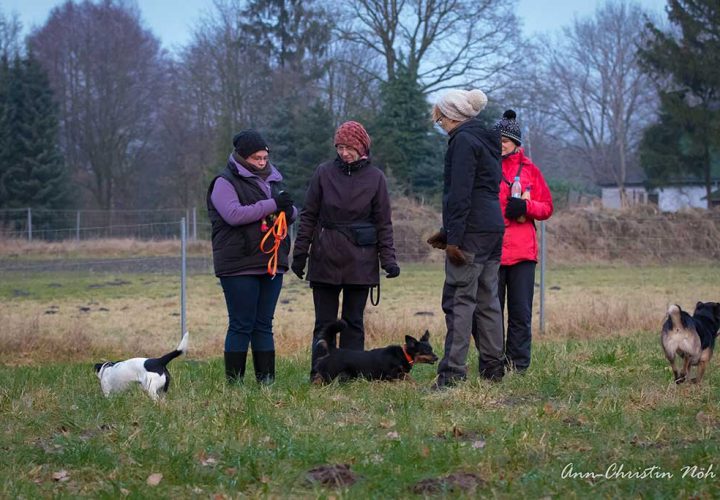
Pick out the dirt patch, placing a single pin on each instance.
(459, 434)
(333, 476)
(459, 482)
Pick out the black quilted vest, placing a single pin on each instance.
(237, 248)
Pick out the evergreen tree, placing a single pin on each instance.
(673, 147)
(404, 139)
(34, 173)
(300, 138)
(5, 143)
(687, 60)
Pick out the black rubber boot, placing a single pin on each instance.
(235, 366)
(264, 363)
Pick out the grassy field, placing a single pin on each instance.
(596, 415)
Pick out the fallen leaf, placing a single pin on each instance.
(478, 445)
(231, 471)
(154, 479)
(61, 476)
(387, 424)
(424, 452)
(393, 435)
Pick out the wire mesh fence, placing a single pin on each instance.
(61, 225)
(640, 257)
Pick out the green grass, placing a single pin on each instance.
(85, 286)
(586, 403)
(598, 393)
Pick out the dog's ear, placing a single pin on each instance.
(426, 336)
(98, 367)
(410, 341)
(699, 305)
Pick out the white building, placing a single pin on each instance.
(670, 198)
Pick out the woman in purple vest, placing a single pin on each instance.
(243, 202)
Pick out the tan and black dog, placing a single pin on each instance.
(393, 362)
(690, 337)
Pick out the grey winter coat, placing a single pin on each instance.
(342, 196)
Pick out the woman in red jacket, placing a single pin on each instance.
(516, 280)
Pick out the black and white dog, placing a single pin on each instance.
(150, 373)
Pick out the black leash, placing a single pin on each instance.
(376, 301)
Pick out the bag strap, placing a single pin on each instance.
(509, 183)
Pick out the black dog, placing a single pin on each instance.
(690, 337)
(388, 363)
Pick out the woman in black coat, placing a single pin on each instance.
(346, 232)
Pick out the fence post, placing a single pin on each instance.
(77, 226)
(183, 278)
(543, 254)
(194, 224)
(29, 224)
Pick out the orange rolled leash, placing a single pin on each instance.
(279, 231)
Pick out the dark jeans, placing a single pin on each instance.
(516, 285)
(251, 302)
(326, 299)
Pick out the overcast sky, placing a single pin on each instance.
(172, 20)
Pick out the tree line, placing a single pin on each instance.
(94, 113)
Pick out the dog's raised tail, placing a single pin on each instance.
(180, 349)
(674, 312)
(326, 341)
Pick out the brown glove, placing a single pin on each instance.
(455, 255)
(438, 240)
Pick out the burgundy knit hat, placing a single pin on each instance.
(354, 135)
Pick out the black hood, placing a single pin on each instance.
(489, 137)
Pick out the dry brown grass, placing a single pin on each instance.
(102, 248)
(581, 303)
(637, 235)
(640, 235)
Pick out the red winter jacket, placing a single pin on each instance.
(520, 240)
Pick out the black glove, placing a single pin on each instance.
(298, 265)
(516, 207)
(284, 202)
(393, 271)
(455, 255)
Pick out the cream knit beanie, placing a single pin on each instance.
(461, 105)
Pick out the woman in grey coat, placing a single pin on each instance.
(346, 232)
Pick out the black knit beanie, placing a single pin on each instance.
(248, 142)
(509, 127)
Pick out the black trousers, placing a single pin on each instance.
(326, 299)
(516, 285)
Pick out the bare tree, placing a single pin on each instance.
(349, 94)
(185, 140)
(106, 71)
(443, 43)
(10, 29)
(230, 72)
(592, 83)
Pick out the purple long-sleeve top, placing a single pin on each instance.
(226, 201)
